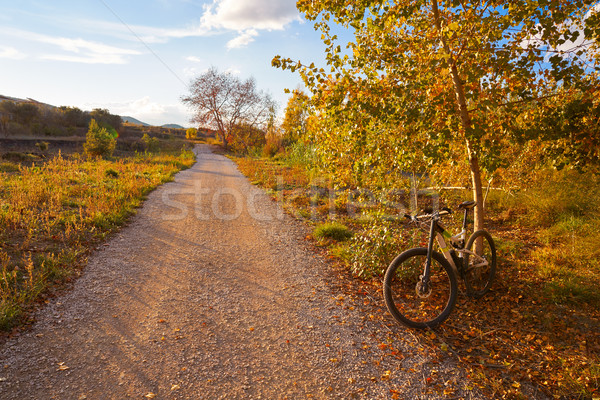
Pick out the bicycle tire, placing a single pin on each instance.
(478, 280)
(400, 289)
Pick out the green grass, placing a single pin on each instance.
(332, 230)
(51, 214)
(560, 212)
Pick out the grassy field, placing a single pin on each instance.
(540, 325)
(53, 213)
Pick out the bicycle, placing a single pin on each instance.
(420, 285)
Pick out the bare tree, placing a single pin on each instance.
(222, 101)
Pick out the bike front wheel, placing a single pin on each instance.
(480, 263)
(404, 297)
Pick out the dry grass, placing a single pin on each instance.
(52, 215)
(539, 326)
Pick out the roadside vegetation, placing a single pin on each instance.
(380, 135)
(540, 324)
(57, 207)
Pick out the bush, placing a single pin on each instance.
(151, 144)
(271, 148)
(99, 142)
(302, 154)
(43, 146)
(332, 230)
(371, 251)
(191, 133)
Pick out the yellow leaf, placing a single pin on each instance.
(62, 366)
(175, 387)
(149, 395)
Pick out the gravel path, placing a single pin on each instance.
(211, 292)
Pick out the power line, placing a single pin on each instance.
(144, 43)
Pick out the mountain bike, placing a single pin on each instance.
(420, 286)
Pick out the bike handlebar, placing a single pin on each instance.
(429, 213)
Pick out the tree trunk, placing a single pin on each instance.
(465, 119)
(473, 158)
(477, 188)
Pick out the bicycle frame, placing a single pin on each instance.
(451, 246)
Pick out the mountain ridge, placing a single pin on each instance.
(126, 119)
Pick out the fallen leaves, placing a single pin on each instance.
(62, 366)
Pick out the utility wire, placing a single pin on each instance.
(144, 43)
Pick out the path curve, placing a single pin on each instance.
(210, 292)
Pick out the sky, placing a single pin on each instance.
(136, 58)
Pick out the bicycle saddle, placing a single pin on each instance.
(467, 204)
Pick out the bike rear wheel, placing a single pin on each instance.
(481, 269)
(401, 286)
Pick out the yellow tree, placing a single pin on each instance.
(435, 72)
(296, 114)
(191, 133)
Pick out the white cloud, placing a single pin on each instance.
(11, 53)
(85, 51)
(86, 59)
(569, 46)
(246, 17)
(233, 71)
(241, 15)
(148, 111)
(243, 39)
(194, 59)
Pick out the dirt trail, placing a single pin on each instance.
(208, 293)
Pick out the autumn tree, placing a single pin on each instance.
(224, 102)
(246, 137)
(424, 75)
(191, 133)
(296, 114)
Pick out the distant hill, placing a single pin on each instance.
(27, 100)
(131, 120)
(175, 126)
(126, 119)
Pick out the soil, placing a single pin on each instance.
(212, 292)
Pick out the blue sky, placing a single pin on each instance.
(136, 57)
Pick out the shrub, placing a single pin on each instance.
(332, 230)
(271, 148)
(371, 251)
(302, 154)
(43, 146)
(111, 173)
(191, 133)
(151, 144)
(99, 142)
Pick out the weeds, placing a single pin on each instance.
(51, 215)
(539, 325)
(332, 230)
